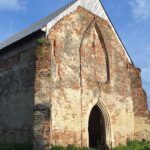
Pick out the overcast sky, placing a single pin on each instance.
(131, 19)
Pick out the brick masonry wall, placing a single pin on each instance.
(141, 113)
(49, 91)
(88, 66)
(42, 99)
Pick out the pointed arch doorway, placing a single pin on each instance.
(97, 129)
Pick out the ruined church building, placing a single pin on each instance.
(68, 79)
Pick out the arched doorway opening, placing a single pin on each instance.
(96, 129)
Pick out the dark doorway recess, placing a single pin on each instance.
(96, 128)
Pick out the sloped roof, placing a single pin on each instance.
(35, 27)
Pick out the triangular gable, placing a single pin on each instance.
(96, 8)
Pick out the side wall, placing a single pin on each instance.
(17, 76)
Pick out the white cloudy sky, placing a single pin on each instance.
(140, 9)
(13, 4)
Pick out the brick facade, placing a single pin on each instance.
(81, 65)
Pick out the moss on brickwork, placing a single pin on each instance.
(42, 41)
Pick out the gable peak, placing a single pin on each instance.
(94, 6)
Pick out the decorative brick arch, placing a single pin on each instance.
(107, 122)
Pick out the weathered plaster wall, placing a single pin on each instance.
(88, 66)
(16, 96)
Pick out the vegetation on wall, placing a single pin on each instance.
(42, 41)
(43, 46)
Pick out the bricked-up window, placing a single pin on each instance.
(94, 56)
(100, 65)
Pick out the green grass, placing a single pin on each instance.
(69, 147)
(134, 145)
(131, 145)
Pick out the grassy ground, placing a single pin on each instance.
(131, 145)
(134, 145)
(69, 148)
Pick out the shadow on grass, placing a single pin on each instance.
(15, 147)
